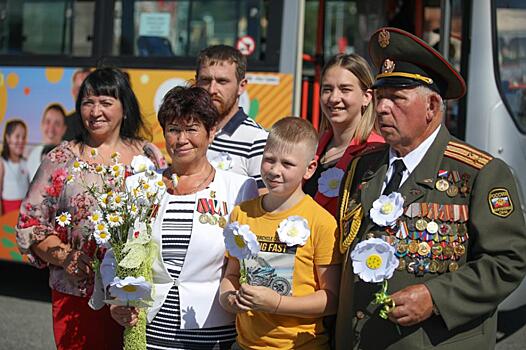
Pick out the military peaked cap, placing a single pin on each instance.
(405, 60)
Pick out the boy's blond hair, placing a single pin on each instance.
(289, 132)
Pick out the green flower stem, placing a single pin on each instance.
(243, 275)
(382, 298)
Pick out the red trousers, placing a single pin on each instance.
(76, 326)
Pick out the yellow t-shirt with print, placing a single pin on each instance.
(261, 330)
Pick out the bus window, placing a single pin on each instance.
(183, 28)
(511, 49)
(46, 27)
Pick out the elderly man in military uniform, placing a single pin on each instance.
(431, 227)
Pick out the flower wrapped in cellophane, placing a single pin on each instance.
(242, 244)
(127, 205)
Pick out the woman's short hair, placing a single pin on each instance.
(9, 128)
(358, 66)
(110, 81)
(290, 132)
(184, 104)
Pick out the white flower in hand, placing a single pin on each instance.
(130, 288)
(294, 230)
(387, 209)
(374, 260)
(222, 161)
(329, 182)
(141, 163)
(102, 237)
(240, 242)
(64, 219)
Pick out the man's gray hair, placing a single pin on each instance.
(424, 91)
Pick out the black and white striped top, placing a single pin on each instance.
(244, 140)
(164, 331)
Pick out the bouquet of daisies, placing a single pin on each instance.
(127, 205)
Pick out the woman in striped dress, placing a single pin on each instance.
(188, 231)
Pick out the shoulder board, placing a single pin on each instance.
(467, 154)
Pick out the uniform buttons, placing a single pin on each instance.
(360, 315)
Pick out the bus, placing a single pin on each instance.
(44, 42)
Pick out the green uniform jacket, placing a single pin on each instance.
(489, 268)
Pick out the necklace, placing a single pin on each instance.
(327, 158)
(174, 190)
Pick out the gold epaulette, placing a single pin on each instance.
(467, 154)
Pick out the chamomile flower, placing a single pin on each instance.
(387, 209)
(93, 153)
(64, 219)
(374, 260)
(70, 178)
(240, 242)
(102, 237)
(105, 200)
(114, 219)
(294, 230)
(101, 227)
(134, 210)
(130, 288)
(100, 169)
(118, 199)
(96, 217)
(115, 156)
(140, 164)
(117, 170)
(329, 182)
(78, 166)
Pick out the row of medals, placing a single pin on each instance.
(437, 254)
(212, 219)
(450, 187)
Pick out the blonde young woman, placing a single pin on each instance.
(348, 108)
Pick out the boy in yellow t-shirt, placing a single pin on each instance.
(294, 281)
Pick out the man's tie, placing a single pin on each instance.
(396, 178)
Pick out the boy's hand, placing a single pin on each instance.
(258, 298)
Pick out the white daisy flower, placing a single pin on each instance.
(70, 178)
(134, 210)
(117, 170)
(329, 182)
(78, 166)
(374, 260)
(100, 227)
(114, 219)
(100, 169)
(130, 288)
(387, 209)
(105, 200)
(240, 242)
(140, 164)
(118, 199)
(96, 217)
(294, 230)
(222, 161)
(102, 237)
(63, 219)
(115, 156)
(93, 153)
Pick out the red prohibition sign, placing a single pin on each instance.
(246, 45)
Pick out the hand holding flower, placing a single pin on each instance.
(126, 316)
(413, 305)
(258, 298)
(78, 266)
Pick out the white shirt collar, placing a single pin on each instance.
(413, 158)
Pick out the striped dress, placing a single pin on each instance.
(164, 331)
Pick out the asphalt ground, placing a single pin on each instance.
(25, 313)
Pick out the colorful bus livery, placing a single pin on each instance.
(25, 92)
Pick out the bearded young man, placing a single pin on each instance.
(432, 230)
(239, 141)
